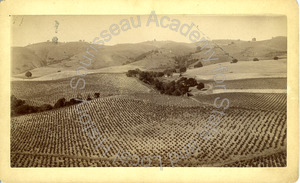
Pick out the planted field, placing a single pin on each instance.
(266, 83)
(40, 92)
(56, 138)
(262, 101)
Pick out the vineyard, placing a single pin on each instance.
(41, 92)
(135, 120)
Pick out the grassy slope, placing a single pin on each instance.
(64, 56)
(242, 70)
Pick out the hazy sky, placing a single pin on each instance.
(34, 29)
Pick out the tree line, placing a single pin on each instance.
(18, 106)
(176, 88)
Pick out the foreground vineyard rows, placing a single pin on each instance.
(147, 129)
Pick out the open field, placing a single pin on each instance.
(242, 70)
(138, 120)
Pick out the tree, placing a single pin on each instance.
(60, 103)
(88, 97)
(276, 58)
(234, 60)
(200, 86)
(96, 95)
(255, 59)
(254, 39)
(191, 82)
(168, 72)
(176, 93)
(14, 102)
(182, 69)
(28, 74)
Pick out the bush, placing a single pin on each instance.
(14, 102)
(160, 74)
(28, 74)
(255, 59)
(60, 103)
(73, 101)
(234, 60)
(199, 64)
(89, 97)
(182, 69)
(200, 86)
(132, 73)
(191, 82)
(96, 95)
(276, 58)
(176, 92)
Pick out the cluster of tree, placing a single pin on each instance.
(177, 88)
(180, 87)
(18, 107)
(62, 102)
(148, 77)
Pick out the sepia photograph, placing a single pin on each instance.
(149, 90)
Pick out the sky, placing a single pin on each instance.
(31, 29)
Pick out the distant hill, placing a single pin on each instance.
(150, 54)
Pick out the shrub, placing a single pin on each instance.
(276, 58)
(182, 69)
(234, 60)
(132, 73)
(14, 102)
(89, 97)
(160, 74)
(28, 74)
(96, 95)
(200, 86)
(60, 103)
(255, 59)
(176, 93)
(191, 82)
(199, 64)
(73, 101)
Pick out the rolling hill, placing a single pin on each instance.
(147, 55)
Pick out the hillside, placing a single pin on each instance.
(151, 55)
